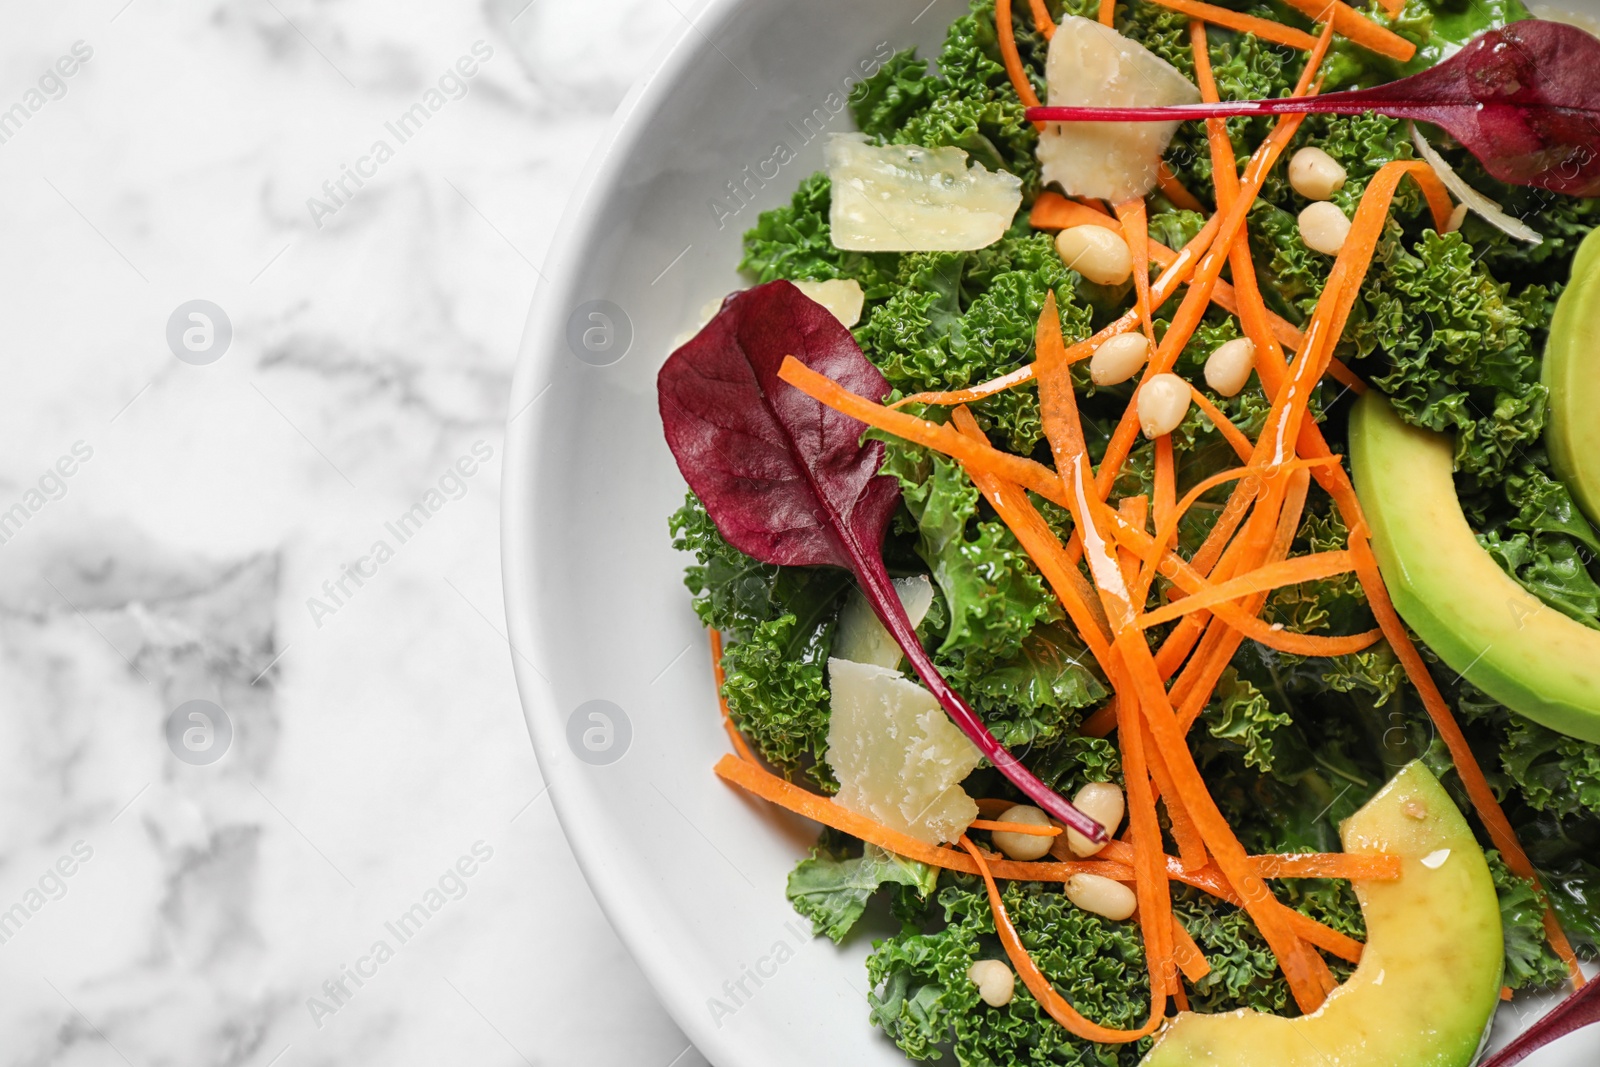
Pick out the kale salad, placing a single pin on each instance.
(1161, 552)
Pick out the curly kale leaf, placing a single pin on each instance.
(990, 594)
(795, 242)
(959, 318)
(922, 998)
(1240, 714)
(1554, 773)
(1027, 699)
(1461, 351)
(969, 105)
(1552, 569)
(778, 696)
(1530, 961)
(832, 890)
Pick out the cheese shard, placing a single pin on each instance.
(906, 198)
(861, 638)
(898, 757)
(1090, 65)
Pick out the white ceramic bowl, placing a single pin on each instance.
(690, 873)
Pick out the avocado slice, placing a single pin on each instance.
(1501, 638)
(1429, 980)
(1572, 374)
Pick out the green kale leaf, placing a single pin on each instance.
(1530, 961)
(832, 890)
(795, 242)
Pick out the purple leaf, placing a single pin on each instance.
(1524, 99)
(1577, 1011)
(787, 480)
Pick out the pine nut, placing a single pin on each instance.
(1163, 402)
(1457, 217)
(1228, 367)
(994, 980)
(1097, 253)
(1102, 896)
(1022, 846)
(1102, 802)
(1118, 358)
(1323, 228)
(1314, 174)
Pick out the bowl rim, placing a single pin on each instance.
(538, 352)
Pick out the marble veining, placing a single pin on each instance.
(371, 871)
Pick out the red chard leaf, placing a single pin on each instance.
(789, 482)
(1577, 1011)
(1524, 99)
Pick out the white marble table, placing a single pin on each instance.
(209, 528)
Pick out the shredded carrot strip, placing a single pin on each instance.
(1007, 36)
(1230, 433)
(1136, 231)
(719, 678)
(1141, 692)
(761, 782)
(1355, 866)
(1190, 959)
(1135, 511)
(1164, 489)
(1190, 312)
(1149, 861)
(1356, 27)
(1175, 191)
(1108, 12)
(1041, 19)
(1191, 845)
(1393, 7)
(1266, 29)
(1015, 828)
(1263, 579)
(1032, 475)
(1045, 993)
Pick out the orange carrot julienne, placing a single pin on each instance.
(1191, 845)
(1014, 828)
(1108, 12)
(1190, 959)
(1041, 19)
(1164, 490)
(1136, 232)
(1054, 1003)
(1006, 34)
(1266, 29)
(1357, 28)
(1262, 579)
(1230, 433)
(1190, 312)
(758, 781)
(1174, 190)
(1032, 475)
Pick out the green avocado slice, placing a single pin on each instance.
(1429, 979)
(1572, 374)
(1501, 638)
